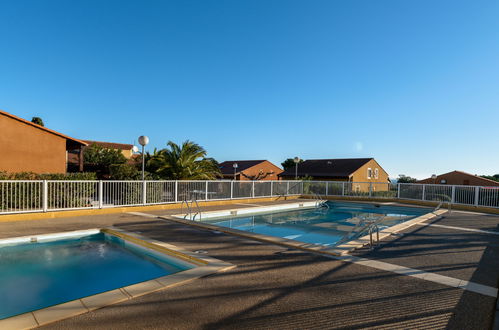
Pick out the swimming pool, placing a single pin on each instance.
(326, 226)
(50, 270)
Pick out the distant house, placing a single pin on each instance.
(362, 171)
(126, 150)
(28, 147)
(250, 170)
(460, 178)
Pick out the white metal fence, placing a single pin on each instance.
(44, 196)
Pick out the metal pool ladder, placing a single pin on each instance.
(320, 201)
(190, 205)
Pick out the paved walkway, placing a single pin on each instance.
(273, 287)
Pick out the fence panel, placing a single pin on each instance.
(411, 191)
(160, 192)
(279, 188)
(263, 188)
(122, 193)
(295, 187)
(219, 189)
(383, 190)
(21, 196)
(439, 193)
(488, 196)
(314, 187)
(464, 195)
(334, 188)
(242, 189)
(188, 190)
(64, 195)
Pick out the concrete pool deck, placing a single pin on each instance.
(276, 287)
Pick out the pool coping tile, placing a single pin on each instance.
(23, 321)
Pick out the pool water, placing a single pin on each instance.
(38, 275)
(322, 226)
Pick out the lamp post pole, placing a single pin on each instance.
(235, 169)
(143, 141)
(296, 160)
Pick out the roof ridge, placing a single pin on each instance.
(43, 128)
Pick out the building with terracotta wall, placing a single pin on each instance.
(362, 172)
(460, 178)
(28, 147)
(250, 170)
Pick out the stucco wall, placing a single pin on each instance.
(24, 148)
(361, 176)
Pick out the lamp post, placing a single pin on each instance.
(296, 160)
(235, 169)
(434, 177)
(143, 141)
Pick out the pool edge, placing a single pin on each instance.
(310, 247)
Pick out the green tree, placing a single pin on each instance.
(494, 177)
(185, 162)
(289, 164)
(37, 120)
(99, 159)
(406, 179)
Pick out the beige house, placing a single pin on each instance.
(362, 172)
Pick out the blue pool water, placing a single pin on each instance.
(38, 275)
(324, 226)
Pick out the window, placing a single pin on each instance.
(369, 173)
(376, 173)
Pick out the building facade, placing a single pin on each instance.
(28, 147)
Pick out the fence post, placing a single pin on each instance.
(453, 195)
(253, 189)
(370, 189)
(423, 193)
(101, 194)
(477, 194)
(144, 192)
(343, 189)
(206, 193)
(271, 188)
(45, 199)
(176, 191)
(327, 185)
(398, 190)
(232, 189)
(287, 188)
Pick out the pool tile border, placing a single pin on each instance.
(204, 265)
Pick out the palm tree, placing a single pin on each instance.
(186, 162)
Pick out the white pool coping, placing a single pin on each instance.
(248, 211)
(203, 266)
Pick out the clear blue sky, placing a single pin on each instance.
(414, 84)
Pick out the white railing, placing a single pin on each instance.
(44, 196)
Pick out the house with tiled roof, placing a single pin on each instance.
(460, 178)
(361, 171)
(249, 170)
